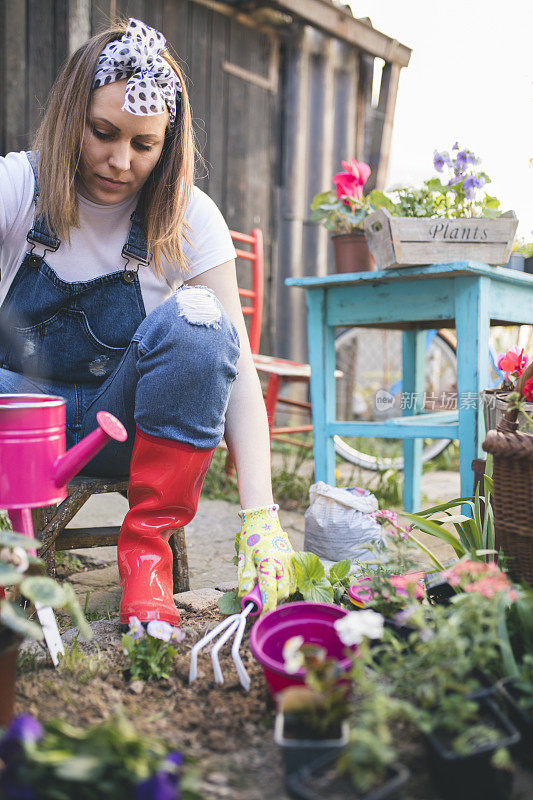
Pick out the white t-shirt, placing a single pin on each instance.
(96, 246)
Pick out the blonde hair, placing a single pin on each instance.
(59, 140)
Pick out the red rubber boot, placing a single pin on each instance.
(166, 479)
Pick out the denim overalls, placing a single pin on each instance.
(91, 342)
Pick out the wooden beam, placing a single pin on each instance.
(387, 105)
(322, 14)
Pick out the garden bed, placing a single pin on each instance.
(228, 731)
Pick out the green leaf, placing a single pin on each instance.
(229, 603)
(319, 592)
(433, 528)
(435, 185)
(340, 570)
(82, 768)
(9, 576)
(322, 197)
(459, 501)
(308, 569)
(380, 200)
(10, 539)
(43, 590)
(14, 618)
(491, 202)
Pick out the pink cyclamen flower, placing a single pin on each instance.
(350, 183)
(512, 362)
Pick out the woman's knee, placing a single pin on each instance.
(191, 327)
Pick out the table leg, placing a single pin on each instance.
(473, 324)
(321, 341)
(413, 387)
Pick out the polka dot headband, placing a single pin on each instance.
(152, 85)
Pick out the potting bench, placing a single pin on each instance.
(466, 295)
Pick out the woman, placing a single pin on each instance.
(99, 226)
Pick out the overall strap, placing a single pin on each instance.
(40, 233)
(136, 246)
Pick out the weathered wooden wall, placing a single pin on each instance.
(275, 110)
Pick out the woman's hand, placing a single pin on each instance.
(265, 556)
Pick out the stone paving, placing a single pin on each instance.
(209, 544)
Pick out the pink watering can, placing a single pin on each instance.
(34, 467)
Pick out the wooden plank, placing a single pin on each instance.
(217, 114)
(393, 430)
(364, 97)
(413, 382)
(180, 563)
(79, 24)
(2, 78)
(387, 104)
(390, 303)
(452, 231)
(472, 325)
(40, 59)
(15, 105)
(199, 71)
(237, 120)
(74, 538)
(103, 13)
(339, 22)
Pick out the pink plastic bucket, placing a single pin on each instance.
(313, 621)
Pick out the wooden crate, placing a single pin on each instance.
(412, 241)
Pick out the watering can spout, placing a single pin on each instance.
(67, 465)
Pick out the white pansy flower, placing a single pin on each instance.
(159, 629)
(353, 628)
(292, 654)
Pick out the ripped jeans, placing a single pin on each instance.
(173, 381)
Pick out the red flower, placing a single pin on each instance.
(350, 183)
(528, 390)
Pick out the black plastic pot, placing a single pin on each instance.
(438, 590)
(313, 783)
(473, 776)
(523, 721)
(300, 747)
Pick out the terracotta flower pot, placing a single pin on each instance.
(9, 647)
(352, 253)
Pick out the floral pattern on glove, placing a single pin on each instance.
(265, 556)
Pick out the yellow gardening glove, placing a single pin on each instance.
(265, 555)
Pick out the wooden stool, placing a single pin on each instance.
(50, 526)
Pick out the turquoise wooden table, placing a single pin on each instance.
(466, 295)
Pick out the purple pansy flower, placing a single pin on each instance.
(440, 159)
(470, 185)
(25, 728)
(136, 628)
(160, 786)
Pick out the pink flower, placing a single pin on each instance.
(350, 183)
(512, 362)
(402, 583)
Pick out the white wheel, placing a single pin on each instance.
(371, 363)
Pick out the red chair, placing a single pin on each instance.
(279, 370)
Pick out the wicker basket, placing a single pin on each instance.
(513, 491)
(495, 407)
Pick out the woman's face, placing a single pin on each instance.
(119, 149)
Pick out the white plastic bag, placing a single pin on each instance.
(338, 524)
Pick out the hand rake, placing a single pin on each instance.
(251, 605)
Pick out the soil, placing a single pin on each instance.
(229, 731)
